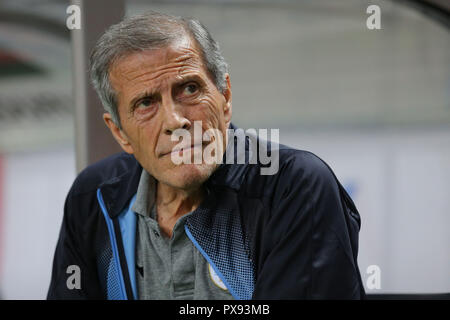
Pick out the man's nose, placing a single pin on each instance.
(174, 118)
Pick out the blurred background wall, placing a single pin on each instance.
(374, 104)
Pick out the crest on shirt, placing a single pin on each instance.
(215, 278)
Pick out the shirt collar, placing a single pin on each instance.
(145, 196)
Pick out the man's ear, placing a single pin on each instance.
(118, 134)
(227, 94)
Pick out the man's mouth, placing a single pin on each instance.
(181, 150)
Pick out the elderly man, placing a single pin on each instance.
(139, 225)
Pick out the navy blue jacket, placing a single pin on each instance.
(291, 235)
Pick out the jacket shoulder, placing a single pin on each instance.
(104, 171)
(300, 165)
(295, 167)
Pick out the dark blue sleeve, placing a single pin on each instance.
(312, 234)
(71, 251)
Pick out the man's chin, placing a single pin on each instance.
(189, 176)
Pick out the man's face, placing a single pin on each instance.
(159, 91)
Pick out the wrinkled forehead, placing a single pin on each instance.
(177, 54)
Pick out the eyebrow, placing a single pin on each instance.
(153, 92)
(145, 94)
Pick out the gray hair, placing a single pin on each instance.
(151, 30)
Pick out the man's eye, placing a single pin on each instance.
(190, 89)
(145, 103)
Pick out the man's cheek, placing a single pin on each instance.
(209, 114)
(210, 103)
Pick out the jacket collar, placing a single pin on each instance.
(230, 175)
(118, 191)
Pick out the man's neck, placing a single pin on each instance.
(172, 203)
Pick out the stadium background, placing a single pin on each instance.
(375, 104)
